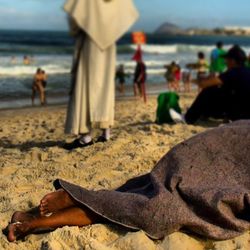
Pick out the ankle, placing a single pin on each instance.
(106, 133)
(86, 138)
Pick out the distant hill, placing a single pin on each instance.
(169, 28)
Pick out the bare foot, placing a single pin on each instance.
(55, 201)
(23, 217)
(17, 231)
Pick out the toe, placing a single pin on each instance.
(11, 235)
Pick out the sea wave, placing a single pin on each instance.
(178, 48)
(30, 70)
(128, 49)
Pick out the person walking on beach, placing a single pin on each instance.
(96, 25)
(38, 86)
(140, 76)
(218, 64)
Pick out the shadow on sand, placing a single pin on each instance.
(26, 146)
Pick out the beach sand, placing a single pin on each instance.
(31, 158)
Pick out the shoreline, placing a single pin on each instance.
(61, 98)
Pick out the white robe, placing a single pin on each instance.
(93, 99)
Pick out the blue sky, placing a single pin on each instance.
(48, 14)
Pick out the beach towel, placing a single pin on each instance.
(167, 101)
(202, 185)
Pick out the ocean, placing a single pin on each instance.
(52, 51)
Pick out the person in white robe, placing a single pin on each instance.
(97, 25)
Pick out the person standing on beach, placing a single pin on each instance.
(96, 25)
(139, 77)
(218, 64)
(38, 86)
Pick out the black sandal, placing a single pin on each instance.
(101, 139)
(77, 144)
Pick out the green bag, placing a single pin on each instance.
(167, 101)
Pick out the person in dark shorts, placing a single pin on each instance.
(140, 77)
(45, 79)
(226, 96)
(121, 78)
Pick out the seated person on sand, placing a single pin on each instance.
(224, 97)
(201, 185)
(38, 85)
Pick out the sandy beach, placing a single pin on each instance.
(31, 158)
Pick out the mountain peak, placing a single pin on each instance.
(169, 28)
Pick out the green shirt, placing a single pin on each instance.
(218, 63)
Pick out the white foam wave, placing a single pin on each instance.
(30, 70)
(179, 48)
(158, 49)
(149, 63)
(149, 71)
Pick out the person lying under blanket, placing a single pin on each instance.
(201, 185)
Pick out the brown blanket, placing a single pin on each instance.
(201, 185)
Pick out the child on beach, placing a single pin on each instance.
(201, 67)
(186, 78)
(177, 78)
(171, 75)
(121, 77)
